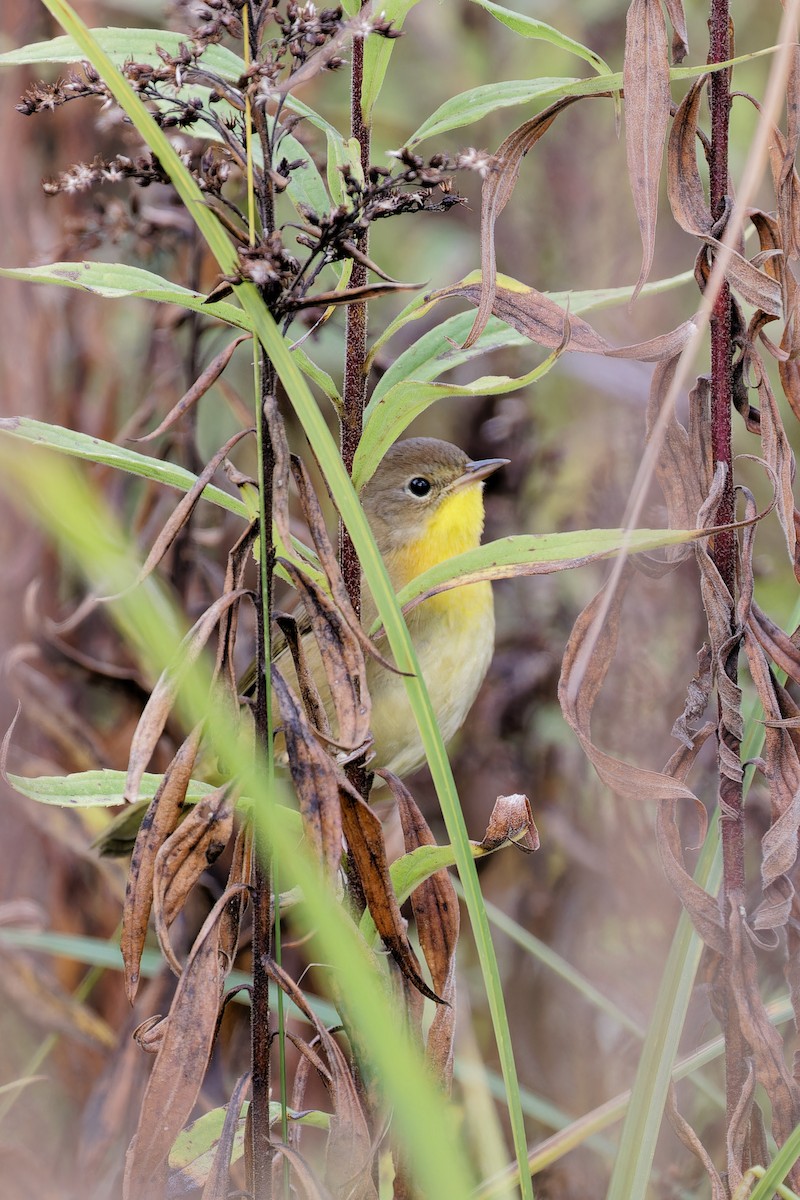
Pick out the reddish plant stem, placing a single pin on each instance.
(355, 382)
(731, 805)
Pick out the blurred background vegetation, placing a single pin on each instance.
(594, 892)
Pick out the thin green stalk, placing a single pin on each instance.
(352, 514)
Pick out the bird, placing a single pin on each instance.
(424, 504)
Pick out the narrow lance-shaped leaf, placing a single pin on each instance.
(530, 27)
(198, 389)
(647, 105)
(498, 185)
(180, 1066)
(158, 823)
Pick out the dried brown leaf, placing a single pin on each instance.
(534, 315)
(217, 1185)
(587, 658)
(315, 777)
(512, 821)
(339, 652)
(185, 855)
(680, 38)
(683, 1130)
(739, 1128)
(702, 909)
(160, 820)
(684, 187)
(180, 1067)
(657, 349)
(198, 389)
(158, 707)
(758, 288)
(364, 834)
(349, 1156)
(436, 913)
(182, 513)
(762, 1036)
(308, 1186)
(683, 467)
(645, 76)
(778, 455)
(240, 872)
(498, 185)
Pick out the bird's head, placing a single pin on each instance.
(424, 503)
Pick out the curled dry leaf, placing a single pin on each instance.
(308, 1186)
(435, 907)
(198, 389)
(739, 1128)
(217, 1185)
(182, 513)
(680, 38)
(498, 185)
(160, 820)
(683, 1130)
(158, 707)
(762, 1036)
(349, 1157)
(645, 75)
(683, 466)
(703, 909)
(685, 189)
(778, 455)
(315, 777)
(182, 1060)
(185, 855)
(511, 821)
(338, 651)
(587, 658)
(364, 834)
(356, 295)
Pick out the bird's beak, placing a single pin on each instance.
(476, 471)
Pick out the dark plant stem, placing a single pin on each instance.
(260, 1040)
(355, 383)
(731, 805)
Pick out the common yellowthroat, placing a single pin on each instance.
(424, 504)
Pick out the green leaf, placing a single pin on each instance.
(91, 449)
(94, 789)
(778, 1169)
(539, 554)
(378, 51)
(121, 46)
(117, 281)
(305, 184)
(435, 352)
(471, 106)
(528, 27)
(395, 411)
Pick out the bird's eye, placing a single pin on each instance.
(418, 486)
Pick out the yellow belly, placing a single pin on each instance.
(453, 636)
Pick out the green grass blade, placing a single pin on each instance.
(345, 497)
(528, 27)
(778, 1169)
